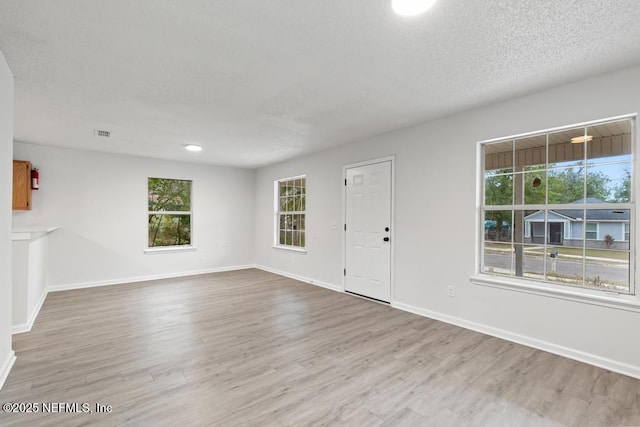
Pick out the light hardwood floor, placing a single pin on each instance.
(253, 348)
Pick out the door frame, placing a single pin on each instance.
(392, 260)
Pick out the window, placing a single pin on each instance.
(169, 211)
(538, 229)
(571, 188)
(291, 196)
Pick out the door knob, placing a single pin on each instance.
(386, 239)
(386, 229)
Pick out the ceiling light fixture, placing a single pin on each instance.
(581, 139)
(411, 7)
(193, 147)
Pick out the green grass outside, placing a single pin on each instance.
(596, 253)
(564, 250)
(504, 245)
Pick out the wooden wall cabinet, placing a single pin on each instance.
(21, 185)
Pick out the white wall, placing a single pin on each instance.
(29, 252)
(20, 276)
(100, 202)
(37, 254)
(6, 177)
(435, 223)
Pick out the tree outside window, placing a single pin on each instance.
(169, 211)
(291, 204)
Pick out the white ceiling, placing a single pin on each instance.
(256, 82)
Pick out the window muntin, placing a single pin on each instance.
(169, 212)
(291, 202)
(567, 206)
(626, 231)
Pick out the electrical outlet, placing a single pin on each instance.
(451, 291)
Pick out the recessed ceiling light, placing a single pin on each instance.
(581, 139)
(193, 147)
(411, 7)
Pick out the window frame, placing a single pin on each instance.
(189, 213)
(582, 293)
(278, 213)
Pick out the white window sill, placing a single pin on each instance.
(165, 249)
(290, 248)
(585, 296)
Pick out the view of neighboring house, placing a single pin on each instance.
(565, 227)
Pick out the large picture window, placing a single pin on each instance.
(557, 206)
(291, 203)
(169, 211)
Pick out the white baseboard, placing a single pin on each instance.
(300, 278)
(127, 280)
(592, 359)
(6, 368)
(26, 327)
(612, 365)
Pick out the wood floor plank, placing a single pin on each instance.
(248, 348)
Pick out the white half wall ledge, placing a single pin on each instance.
(29, 250)
(591, 359)
(29, 233)
(6, 368)
(128, 280)
(301, 278)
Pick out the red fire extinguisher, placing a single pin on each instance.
(35, 179)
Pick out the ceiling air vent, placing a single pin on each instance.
(104, 133)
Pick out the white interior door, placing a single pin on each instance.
(368, 230)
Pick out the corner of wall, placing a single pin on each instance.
(7, 356)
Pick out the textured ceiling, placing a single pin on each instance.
(256, 82)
